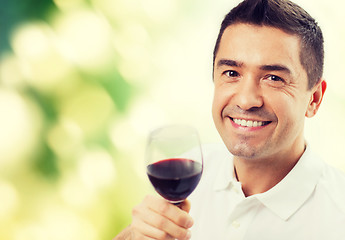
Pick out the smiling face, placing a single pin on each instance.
(260, 97)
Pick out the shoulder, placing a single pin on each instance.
(217, 159)
(330, 186)
(217, 165)
(333, 182)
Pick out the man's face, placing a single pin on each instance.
(260, 96)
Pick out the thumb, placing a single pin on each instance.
(185, 205)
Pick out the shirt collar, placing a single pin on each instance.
(285, 198)
(289, 194)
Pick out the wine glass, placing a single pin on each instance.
(174, 161)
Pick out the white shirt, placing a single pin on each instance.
(308, 204)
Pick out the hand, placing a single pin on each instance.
(155, 218)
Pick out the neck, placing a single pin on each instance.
(260, 175)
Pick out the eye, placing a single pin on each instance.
(231, 73)
(274, 78)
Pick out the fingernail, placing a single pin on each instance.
(189, 223)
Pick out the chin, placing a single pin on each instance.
(244, 150)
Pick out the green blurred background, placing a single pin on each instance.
(83, 81)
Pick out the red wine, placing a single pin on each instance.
(175, 178)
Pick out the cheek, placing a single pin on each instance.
(289, 111)
(219, 102)
(215, 107)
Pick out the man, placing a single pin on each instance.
(268, 63)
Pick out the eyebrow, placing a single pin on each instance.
(275, 67)
(268, 67)
(228, 62)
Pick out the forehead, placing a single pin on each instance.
(258, 45)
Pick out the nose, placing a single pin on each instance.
(248, 95)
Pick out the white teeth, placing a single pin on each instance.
(249, 123)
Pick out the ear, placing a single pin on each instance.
(316, 97)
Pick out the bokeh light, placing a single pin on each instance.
(83, 82)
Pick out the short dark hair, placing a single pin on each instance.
(289, 17)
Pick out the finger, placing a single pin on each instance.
(161, 222)
(185, 205)
(172, 212)
(144, 231)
